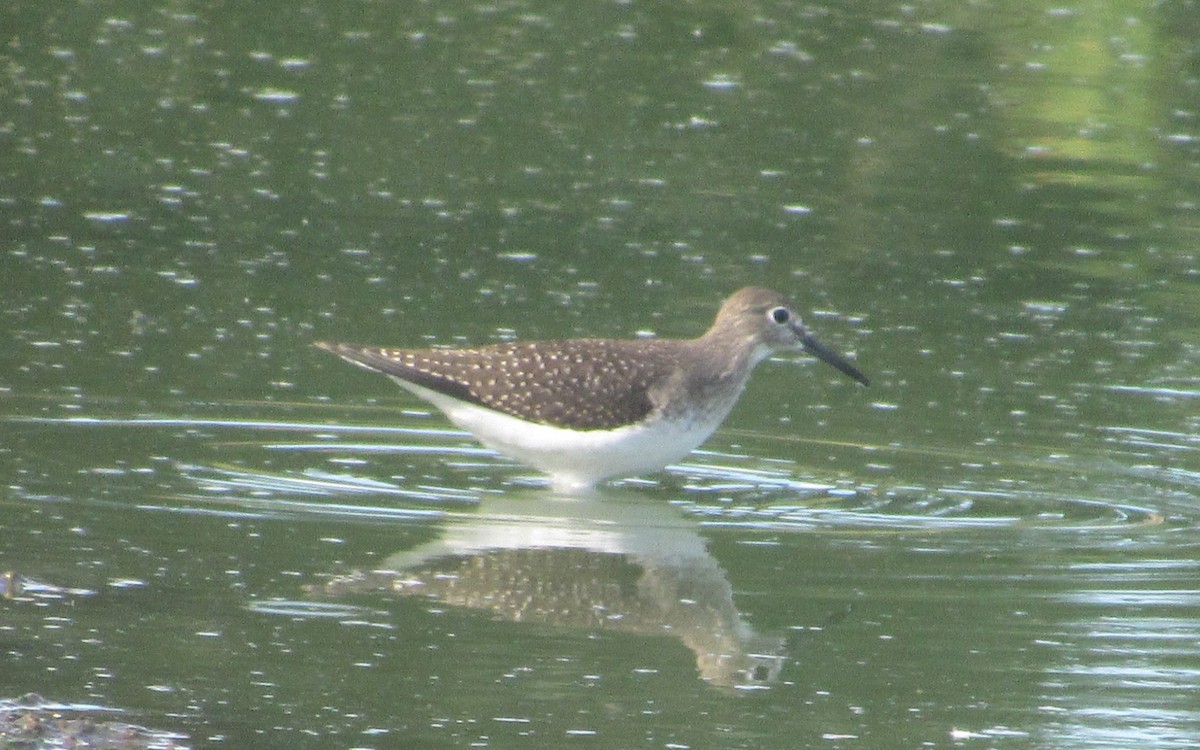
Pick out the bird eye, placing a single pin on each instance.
(780, 315)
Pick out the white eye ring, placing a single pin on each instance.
(780, 315)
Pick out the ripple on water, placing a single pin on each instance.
(307, 610)
(314, 475)
(738, 490)
(932, 510)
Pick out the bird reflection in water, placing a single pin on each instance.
(606, 563)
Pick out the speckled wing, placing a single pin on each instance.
(583, 384)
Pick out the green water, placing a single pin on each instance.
(217, 531)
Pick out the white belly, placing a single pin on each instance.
(578, 459)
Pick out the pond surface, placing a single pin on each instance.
(212, 530)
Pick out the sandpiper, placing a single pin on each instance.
(586, 410)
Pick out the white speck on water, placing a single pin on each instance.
(106, 216)
(790, 50)
(519, 256)
(178, 278)
(1045, 307)
(126, 583)
(276, 95)
(722, 82)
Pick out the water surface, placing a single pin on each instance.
(215, 531)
